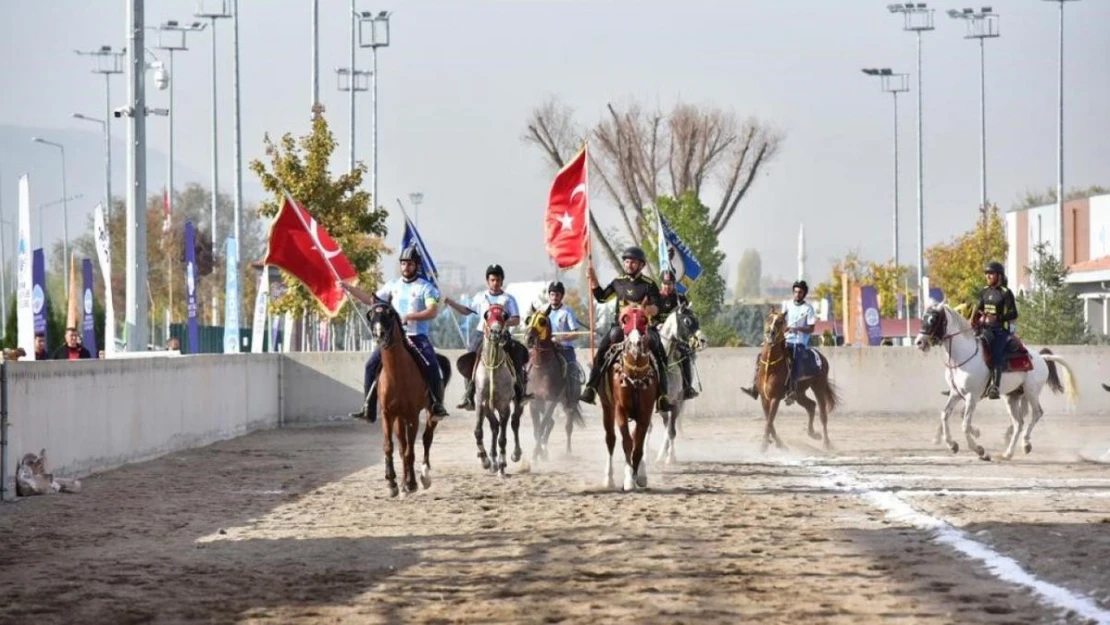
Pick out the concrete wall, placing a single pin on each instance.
(96, 415)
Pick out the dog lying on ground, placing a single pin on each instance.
(31, 478)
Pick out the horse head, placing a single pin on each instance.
(634, 324)
(774, 327)
(683, 327)
(383, 320)
(939, 323)
(497, 322)
(539, 328)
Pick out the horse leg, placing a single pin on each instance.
(572, 415)
(944, 414)
(479, 436)
(412, 427)
(810, 407)
(672, 432)
(537, 431)
(1037, 413)
(823, 399)
(969, 410)
(426, 467)
(1013, 405)
(387, 448)
(515, 423)
(610, 442)
(666, 437)
(769, 433)
(626, 439)
(548, 424)
(495, 432)
(766, 424)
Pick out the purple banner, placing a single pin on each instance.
(38, 291)
(936, 294)
(832, 315)
(872, 320)
(191, 286)
(87, 299)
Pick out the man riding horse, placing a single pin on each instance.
(417, 302)
(495, 278)
(562, 319)
(669, 301)
(800, 321)
(993, 315)
(631, 288)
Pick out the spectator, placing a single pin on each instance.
(174, 344)
(40, 346)
(72, 350)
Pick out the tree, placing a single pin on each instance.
(639, 155)
(749, 272)
(300, 166)
(956, 267)
(888, 279)
(690, 220)
(1050, 314)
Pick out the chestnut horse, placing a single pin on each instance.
(402, 394)
(553, 381)
(773, 376)
(628, 394)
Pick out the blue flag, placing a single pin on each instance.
(191, 286)
(38, 291)
(87, 328)
(676, 256)
(427, 268)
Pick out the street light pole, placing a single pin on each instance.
(108, 62)
(981, 25)
(1060, 141)
(237, 146)
(107, 156)
(62, 200)
(416, 198)
(65, 204)
(379, 38)
(352, 81)
(918, 19)
(893, 84)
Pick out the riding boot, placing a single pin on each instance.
(751, 391)
(664, 402)
(369, 410)
(435, 394)
(522, 385)
(589, 392)
(688, 391)
(468, 395)
(996, 379)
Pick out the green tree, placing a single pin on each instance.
(749, 272)
(1050, 313)
(339, 205)
(888, 279)
(956, 267)
(690, 220)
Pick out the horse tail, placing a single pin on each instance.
(444, 367)
(577, 418)
(832, 396)
(1070, 385)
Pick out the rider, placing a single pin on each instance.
(630, 288)
(495, 278)
(800, 321)
(417, 302)
(562, 319)
(669, 301)
(993, 315)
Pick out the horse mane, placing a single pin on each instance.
(962, 324)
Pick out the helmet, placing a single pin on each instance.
(801, 284)
(667, 275)
(557, 287)
(995, 267)
(410, 253)
(495, 270)
(634, 253)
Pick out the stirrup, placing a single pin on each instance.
(589, 395)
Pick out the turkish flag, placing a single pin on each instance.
(565, 227)
(304, 249)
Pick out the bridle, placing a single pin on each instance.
(937, 334)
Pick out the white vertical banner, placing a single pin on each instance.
(104, 256)
(231, 299)
(25, 317)
(261, 303)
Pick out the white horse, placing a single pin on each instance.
(681, 327)
(967, 375)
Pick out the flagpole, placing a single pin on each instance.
(589, 248)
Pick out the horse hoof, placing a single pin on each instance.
(426, 481)
(1007, 455)
(763, 447)
(641, 481)
(974, 432)
(814, 435)
(985, 457)
(393, 490)
(828, 445)
(954, 446)
(1028, 447)
(485, 463)
(516, 455)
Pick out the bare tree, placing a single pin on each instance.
(638, 155)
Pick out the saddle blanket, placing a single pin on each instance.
(809, 363)
(1017, 356)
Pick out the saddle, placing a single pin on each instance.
(809, 363)
(468, 361)
(1017, 355)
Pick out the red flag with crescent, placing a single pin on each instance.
(305, 250)
(565, 227)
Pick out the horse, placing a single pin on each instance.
(681, 327)
(968, 374)
(552, 381)
(772, 378)
(629, 392)
(402, 395)
(493, 385)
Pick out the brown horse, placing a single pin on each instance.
(553, 381)
(628, 395)
(773, 376)
(402, 394)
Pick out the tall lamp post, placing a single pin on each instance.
(416, 198)
(893, 84)
(108, 62)
(65, 202)
(373, 33)
(62, 201)
(917, 18)
(981, 25)
(214, 10)
(1060, 140)
(107, 155)
(352, 81)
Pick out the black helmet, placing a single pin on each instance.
(801, 284)
(995, 267)
(557, 287)
(410, 253)
(495, 270)
(634, 253)
(667, 275)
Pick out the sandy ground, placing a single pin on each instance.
(295, 526)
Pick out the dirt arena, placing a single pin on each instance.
(295, 526)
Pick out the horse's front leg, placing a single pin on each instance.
(1036, 412)
(515, 424)
(945, 433)
(639, 443)
(1013, 405)
(479, 436)
(408, 450)
(426, 467)
(495, 433)
(610, 443)
(626, 440)
(388, 423)
(969, 410)
(537, 433)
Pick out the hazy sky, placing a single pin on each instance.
(460, 78)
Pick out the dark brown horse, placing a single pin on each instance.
(552, 381)
(628, 396)
(772, 379)
(402, 394)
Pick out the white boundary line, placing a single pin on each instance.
(1002, 567)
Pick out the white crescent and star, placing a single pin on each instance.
(567, 221)
(581, 188)
(328, 254)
